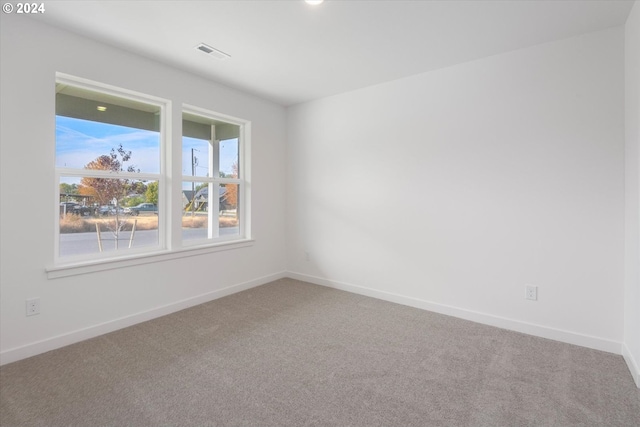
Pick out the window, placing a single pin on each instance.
(113, 190)
(212, 177)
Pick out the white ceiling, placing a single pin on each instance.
(290, 52)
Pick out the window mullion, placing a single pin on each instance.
(228, 181)
(97, 173)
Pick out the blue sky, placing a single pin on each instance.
(79, 142)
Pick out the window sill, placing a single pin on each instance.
(141, 259)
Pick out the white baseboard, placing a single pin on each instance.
(32, 349)
(487, 319)
(633, 365)
(53, 343)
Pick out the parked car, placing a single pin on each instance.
(75, 208)
(110, 210)
(82, 210)
(142, 207)
(67, 207)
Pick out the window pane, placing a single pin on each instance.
(195, 157)
(202, 217)
(100, 131)
(229, 158)
(200, 136)
(196, 221)
(229, 212)
(103, 215)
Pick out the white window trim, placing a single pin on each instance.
(170, 244)
(129, 260)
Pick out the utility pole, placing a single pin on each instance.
(194, 161)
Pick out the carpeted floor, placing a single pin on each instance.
(293, 354)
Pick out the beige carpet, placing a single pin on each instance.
(294, 354)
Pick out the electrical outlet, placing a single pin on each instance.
(531, 292)
(33, 306)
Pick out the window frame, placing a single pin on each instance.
(243, 203)
(170, 243)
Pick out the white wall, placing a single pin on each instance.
(77, 307)
(451, 190)
(632, 193)
(448, 190)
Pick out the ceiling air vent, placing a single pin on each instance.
(213, 52)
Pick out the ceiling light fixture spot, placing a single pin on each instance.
(212, 51)
(101, 108)
(313, 2)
